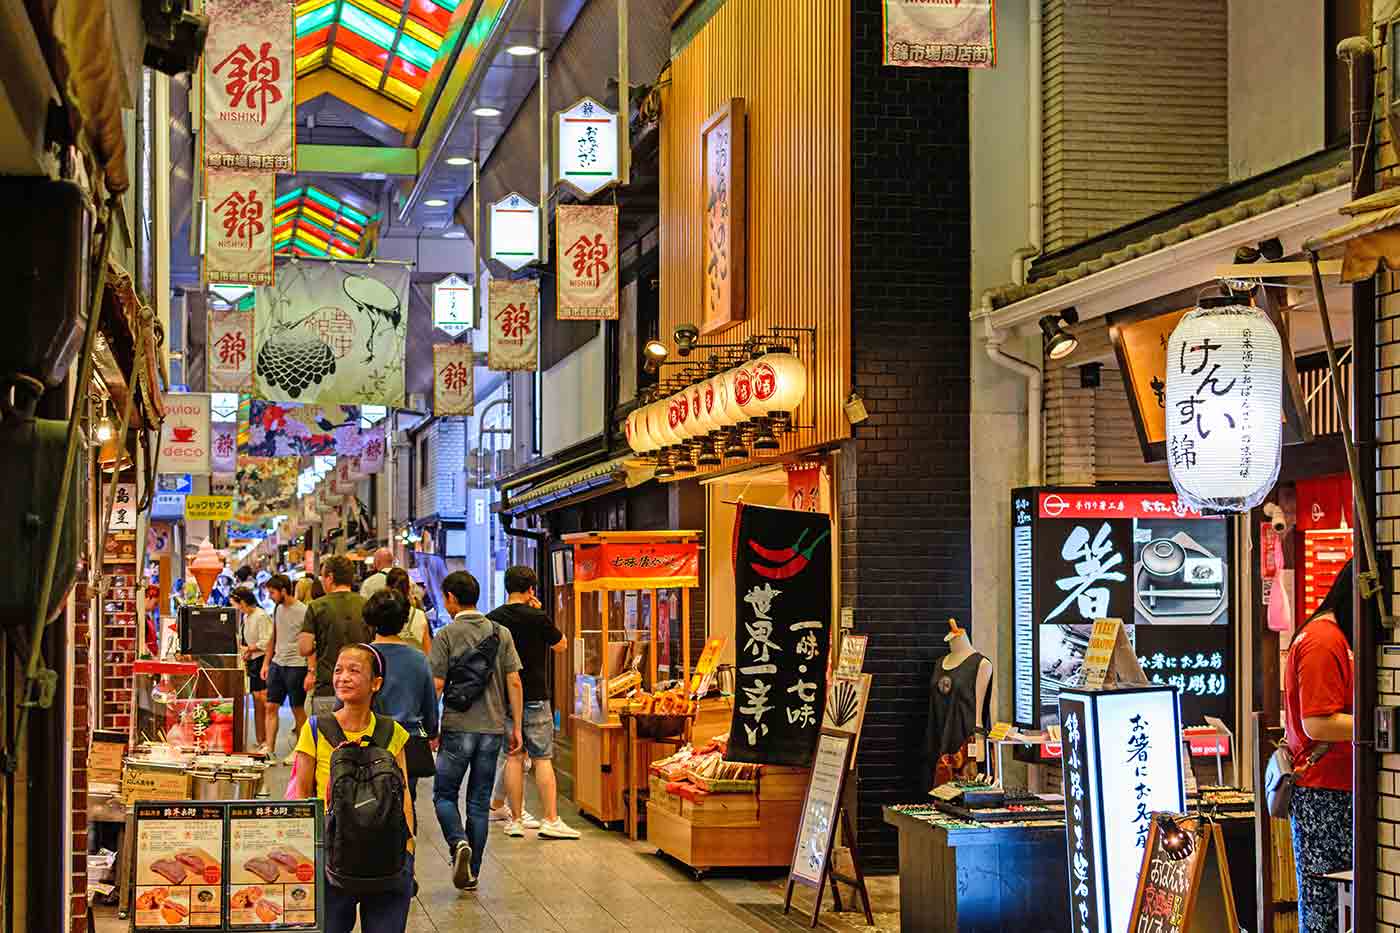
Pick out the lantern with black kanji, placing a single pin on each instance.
(1224, 406)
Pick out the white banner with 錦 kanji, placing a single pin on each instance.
(514, 309)
(249, 78)
(230, 351)
(454, 390)
(587, 289)
(925, 34)
(238, 242)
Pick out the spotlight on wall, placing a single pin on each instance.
(685, 336)
(1059, 342)
(656, 353)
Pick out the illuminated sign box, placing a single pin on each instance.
(1122, 762)
(1131, 553)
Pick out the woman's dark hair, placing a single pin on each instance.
(1337, 603)
(397, 580)
(244, 596)
(376, 660)
(243, 574)
(386, 612)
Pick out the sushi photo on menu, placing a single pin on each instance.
(272, 866)
(178, 871)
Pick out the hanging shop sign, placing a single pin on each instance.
(920, 34)
(1122, 763)
(209, 508)
(515, 231)
(266, 486)
(804, 487)
(184, 435)
(618, 565)
(372, 451)
(724, 237)
(333, 333)
(223, 447)
(454, 311)
(285, 429)
(585, 136)
(1141, 348)
(238, 245)
(587, 285)
(248, 81)
(454, 389)
(1224, 407)
(123, 516)
(1140, 555)
(168, 506)
(514, 310)
(782, 584)
(230, 351)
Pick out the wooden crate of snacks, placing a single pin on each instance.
(661, 798)
(782, 783)
(721, 810)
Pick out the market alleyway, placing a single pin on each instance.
(603, 882)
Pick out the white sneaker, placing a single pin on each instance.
(513, 828)
(528, 821)
(557, 829)
(501, 814)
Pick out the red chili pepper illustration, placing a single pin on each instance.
(795, 560)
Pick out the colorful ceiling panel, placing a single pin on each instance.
(389, 46)
(309, 222)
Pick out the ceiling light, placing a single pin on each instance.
(455, 235)
(685, 336)
(655, 353)
(435, 202)
(458, 160)
(522, 51)
(1059, 343)
(486, 112)
(104, 430)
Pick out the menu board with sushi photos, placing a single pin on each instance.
(178, 868)
(273, 876)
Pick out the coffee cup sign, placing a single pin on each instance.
(184, 438)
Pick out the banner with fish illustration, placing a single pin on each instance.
(333, 332)
(284, 429)
(266, 486)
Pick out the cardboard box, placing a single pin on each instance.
(141, 781)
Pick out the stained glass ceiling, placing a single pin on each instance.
(389, 46)
(309, 222)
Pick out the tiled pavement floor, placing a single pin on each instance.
(599, 883)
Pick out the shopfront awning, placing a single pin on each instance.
(578, 486)
(1369, 240)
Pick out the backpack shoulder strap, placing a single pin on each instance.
(335, 735)
(383, 732)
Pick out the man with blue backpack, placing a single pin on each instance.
(477, 671)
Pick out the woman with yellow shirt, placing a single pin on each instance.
(359, 674)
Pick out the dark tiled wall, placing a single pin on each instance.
(904, 478)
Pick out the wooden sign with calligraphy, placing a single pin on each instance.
(1184, 884)
(724, 254)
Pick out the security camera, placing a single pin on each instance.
(685, 336)
(1277, 517)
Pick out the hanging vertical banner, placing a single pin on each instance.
(587, 289)
(922, 34)
(333, 333)
(515, 231)
(184, 435)
(223, 447)
(238, 247)
(585, 137)
(230, 352)
(123, 517)
(454, 391)
(453, 310)
(514, 309)
(248, 77)
(782, 584)
(372, 453)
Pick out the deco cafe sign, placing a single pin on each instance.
(768, 386)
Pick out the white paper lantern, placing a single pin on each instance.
(745, 394)
(662, 424)
(722, 411)
(677, 410)
(650, 436)
(702, 402)
(1224, 407)
(780, 382)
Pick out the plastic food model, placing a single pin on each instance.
(245, 898)
(267, 911)
(170, 869)
(149, 900)
(173, 912)
(265, 868)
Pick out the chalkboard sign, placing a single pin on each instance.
(1184, 885)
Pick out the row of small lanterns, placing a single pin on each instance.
(723, 416)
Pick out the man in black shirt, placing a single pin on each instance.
(535, 637)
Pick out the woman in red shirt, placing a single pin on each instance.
(1317, 706)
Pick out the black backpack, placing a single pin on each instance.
(366, 831)
(470, 672)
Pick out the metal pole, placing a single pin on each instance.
(476, 217)
(543, 92)
(624, 99)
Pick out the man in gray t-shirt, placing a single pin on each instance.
(472, 739)
(284, 668)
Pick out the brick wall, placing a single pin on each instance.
(904, 478)
(119, 640)
(81, 736)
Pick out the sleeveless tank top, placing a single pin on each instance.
(952, 706)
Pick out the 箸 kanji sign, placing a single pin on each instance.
(586, 139)
(238, 244)
(454, 391)
(921, 34)
(587, 256)
(514, 309)
(515, 231)
(248, 78)
(230, 351)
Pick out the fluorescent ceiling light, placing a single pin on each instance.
(455, 235)
(486, 112)
(522, 51)
(458, 160)
(435, 202)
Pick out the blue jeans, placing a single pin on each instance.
(470, 756)
(379, 913)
